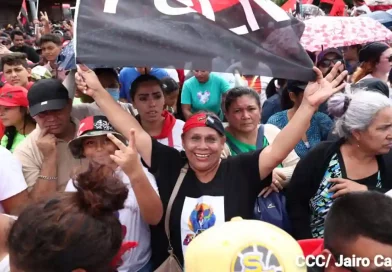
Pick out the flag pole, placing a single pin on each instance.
(36, 12)
(33, 9)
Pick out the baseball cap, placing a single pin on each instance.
(13, 96)
(204, 120)
(46, 95)
(92, 126)
(325, 52)
(242, 245)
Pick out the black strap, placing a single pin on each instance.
(260, 137)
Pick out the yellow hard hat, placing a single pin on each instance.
(242, 246)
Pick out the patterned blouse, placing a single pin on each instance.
(322, 201)
(320, 126)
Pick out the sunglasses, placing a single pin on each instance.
(325, 63)
(390, 58)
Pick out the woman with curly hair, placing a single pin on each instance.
(76, 232)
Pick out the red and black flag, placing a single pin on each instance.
(255, 37)
(24, 17)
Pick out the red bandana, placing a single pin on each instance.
(204, 120)
(196, 120)
(167, 129)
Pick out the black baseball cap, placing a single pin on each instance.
(46, 95)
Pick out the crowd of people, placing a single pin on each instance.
(141, 169)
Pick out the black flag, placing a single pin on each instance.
(255, 37)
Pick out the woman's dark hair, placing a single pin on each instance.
(143, 79)
(291, 87)
(11, 131)
(169, 85)
(179, 114)
(271, 87)
(71, 230)
(106, 71)
(237, 92)
(312, 56)
(285, 101)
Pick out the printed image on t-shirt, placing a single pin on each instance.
(200, 214)
(204, 97)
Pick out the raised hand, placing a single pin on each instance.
(87, 81)
(127, 157)
(69, 26)
(4, 50)
(319, 91)
(44, 18)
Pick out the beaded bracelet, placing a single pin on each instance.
(47, 178)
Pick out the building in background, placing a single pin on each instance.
(10, 9)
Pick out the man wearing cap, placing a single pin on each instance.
(45, 157)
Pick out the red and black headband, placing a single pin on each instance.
(204, 120)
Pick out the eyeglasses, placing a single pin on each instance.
(325, 63)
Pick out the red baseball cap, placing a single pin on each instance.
(13, 96)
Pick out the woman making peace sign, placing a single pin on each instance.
(213, 190)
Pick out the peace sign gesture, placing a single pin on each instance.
(319, 91)
(44, 18)
(127, 157)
